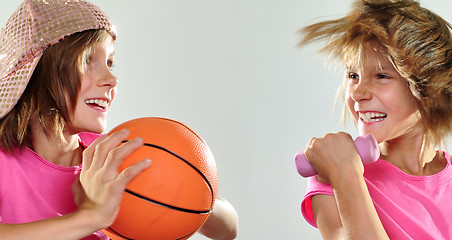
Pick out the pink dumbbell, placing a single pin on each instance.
(366, 146)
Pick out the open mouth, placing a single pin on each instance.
(97, 103)
(369, 117)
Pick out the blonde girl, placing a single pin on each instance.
(397, 57)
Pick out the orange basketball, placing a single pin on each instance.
(175, 195)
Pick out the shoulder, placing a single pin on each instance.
(86, 138)
(5, 159)
(448, 157)
(14, 154)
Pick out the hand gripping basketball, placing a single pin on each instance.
(366, 146)
(173, 198)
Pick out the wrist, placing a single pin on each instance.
(90, 220)
(347, 180)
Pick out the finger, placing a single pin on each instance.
(117, 155)
(78, 191)
(88, 153)
(311, 147)
(129, 173)
(310, 142)
(76, 184)
(103, 148)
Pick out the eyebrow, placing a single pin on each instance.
(385, 67)
(349, 68)
(378, 67)
(109, 45)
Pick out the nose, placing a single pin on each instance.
(108, 78)
(360, 91)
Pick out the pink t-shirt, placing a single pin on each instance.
(409, 207)
(33, 189)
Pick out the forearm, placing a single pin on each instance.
(356, 210)
(222, 222)
(68, 227)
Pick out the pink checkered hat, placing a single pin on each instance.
(34, 26)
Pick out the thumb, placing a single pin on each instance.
(78, 191)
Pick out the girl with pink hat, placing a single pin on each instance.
(55, 83)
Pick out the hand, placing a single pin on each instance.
(333, 155)
(102, 184)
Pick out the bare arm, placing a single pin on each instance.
(98, 193)
(327, 217)
(350, 214)
(356, 209)
(222, 223)
(68, 227)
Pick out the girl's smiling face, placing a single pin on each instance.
(97, 89)
(380, 100)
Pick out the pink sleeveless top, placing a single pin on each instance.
(33, 189)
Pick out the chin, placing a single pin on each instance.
(99, 129)
(366, 132)
(97, 126)
(92, 129)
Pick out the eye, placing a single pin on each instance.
(110, 64)
(383, 76)
(87, 59)
(353, 77)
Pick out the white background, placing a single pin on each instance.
(231, 70)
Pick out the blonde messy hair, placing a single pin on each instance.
(415, 40)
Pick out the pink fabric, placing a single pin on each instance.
(409, 207)
(33, 189)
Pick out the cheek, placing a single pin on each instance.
(350, 105)
(400, 99)
(349, 101)
(411, 109)
(113, 93)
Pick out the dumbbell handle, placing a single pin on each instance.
(366, 146)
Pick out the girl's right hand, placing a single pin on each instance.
(350, 212)
(333, 155)
(101, 185)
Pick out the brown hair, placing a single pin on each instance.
(51, 94)
(415, 40)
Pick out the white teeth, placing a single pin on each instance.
(372, 116)
(101, 103)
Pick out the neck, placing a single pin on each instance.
(413, 155)
(53, 149)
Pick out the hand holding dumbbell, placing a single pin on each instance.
(366, 146)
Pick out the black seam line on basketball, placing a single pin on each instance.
(168, 206)
(120, 234)
(184, 237)
(183, 159)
